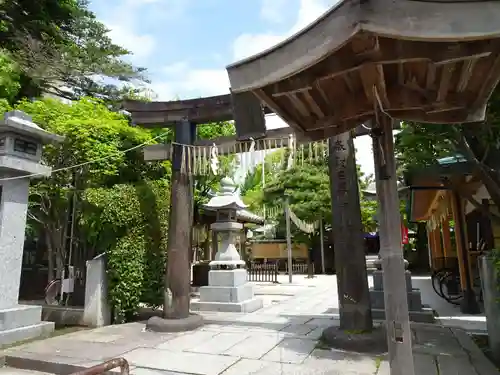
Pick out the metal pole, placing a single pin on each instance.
(322, 246)
(288, 240)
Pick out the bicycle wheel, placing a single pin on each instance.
(436, 280)
(53, 292)
(450, 288)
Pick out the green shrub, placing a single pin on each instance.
(130, 224)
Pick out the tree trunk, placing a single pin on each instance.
(352, 283)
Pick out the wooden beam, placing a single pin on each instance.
(200, 111)
(466, 74)
(414, 52)
(444, 83)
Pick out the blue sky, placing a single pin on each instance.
(186, 44)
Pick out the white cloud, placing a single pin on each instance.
(272, 10)
(247, 45)
(140, 46)
(183, 82)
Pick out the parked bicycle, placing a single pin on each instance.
(446, 281)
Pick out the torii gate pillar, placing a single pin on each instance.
(178, 275)
(396, 305)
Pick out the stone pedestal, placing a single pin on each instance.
(418, 311)
(17, 322)
(228, 291)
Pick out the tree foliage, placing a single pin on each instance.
(421, 145)
(59, 47)
(95, 138)
(307, 186)
(130, 223)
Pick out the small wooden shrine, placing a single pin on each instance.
(438, 195)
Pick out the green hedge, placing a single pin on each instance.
(130, 223)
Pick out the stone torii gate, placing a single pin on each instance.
(374, 61)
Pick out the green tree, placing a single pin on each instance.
(59, 47)
(92, 133)
(421, 145)
(307, 186)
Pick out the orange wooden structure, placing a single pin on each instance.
(440, 204)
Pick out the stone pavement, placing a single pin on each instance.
(281, 338)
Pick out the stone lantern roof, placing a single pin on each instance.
(227, 198)
(21, 123)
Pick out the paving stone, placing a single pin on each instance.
(467, 343)
(291, 350)
(437, 341)
(219, 343)
(99, 337)
(15, 371)
(146, 371)
(75, 349)
(191, 363)
(385, 368)
(254, 347)
(253, 367)
(187, 341)
(336, 360)
(425, 365)
(224, 328)
(315, 334)
(455, 366)
(296, 329)
(318, 322)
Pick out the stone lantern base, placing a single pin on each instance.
(227, 291)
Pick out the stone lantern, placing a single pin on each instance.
(226, 205)
(228, 289)
(21, 144)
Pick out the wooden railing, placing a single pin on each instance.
(267, 272)
(299, 268)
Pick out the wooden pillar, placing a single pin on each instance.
(447, 246)
(469, 303)
(178, 278)
(436, 232)
(350, 260)
(399, 337)
(432, 245)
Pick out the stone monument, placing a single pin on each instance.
(418, 312)
(228, 289)
(21, 144)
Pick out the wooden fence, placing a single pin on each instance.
(267, 272)
(299, 268)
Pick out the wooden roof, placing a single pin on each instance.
(435, 62)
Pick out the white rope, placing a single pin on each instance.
(85, 163)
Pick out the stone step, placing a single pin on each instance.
(426, 315)
(42, 329)
(20, 316)
(414, 299)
